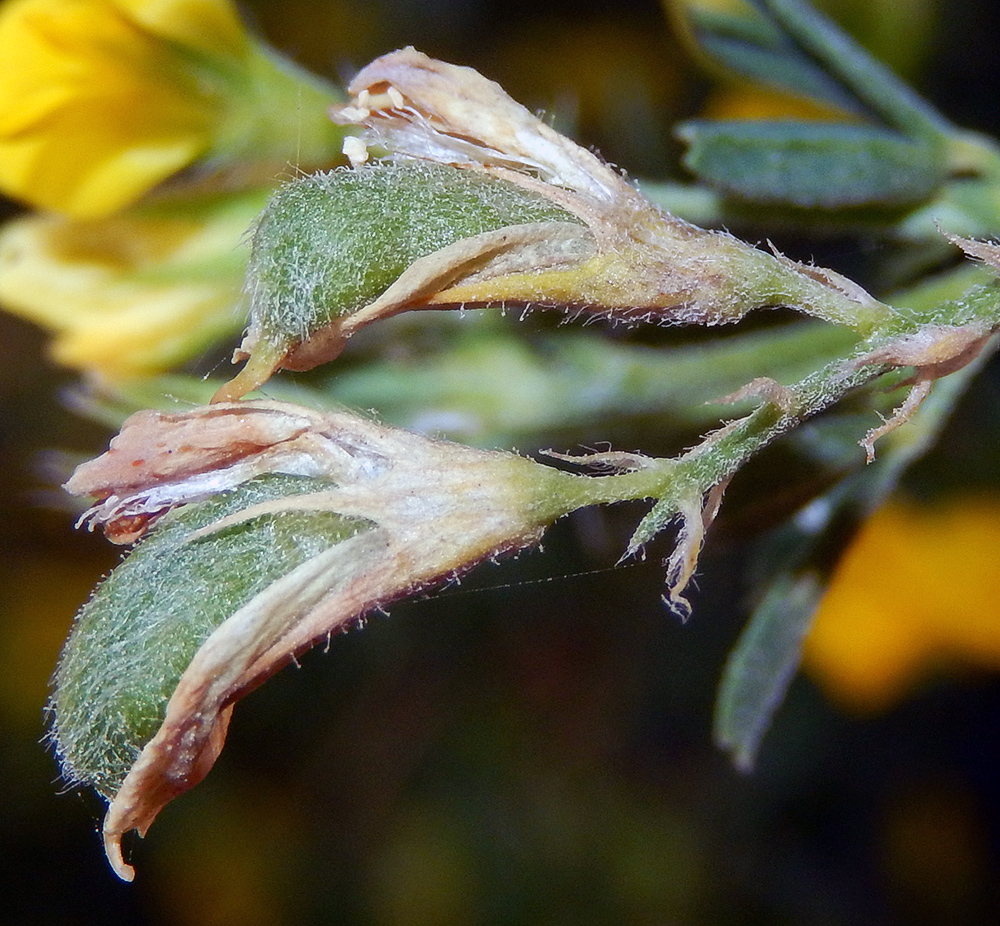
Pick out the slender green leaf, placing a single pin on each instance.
(812, 164)
(789, 46)
(762, 666)
(875, 85)
(755, 47)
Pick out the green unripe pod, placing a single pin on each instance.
(330, 244)
(135, 637)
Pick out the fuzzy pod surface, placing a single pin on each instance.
(329, 244)
(134, 638)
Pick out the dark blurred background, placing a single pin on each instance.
(532, 747)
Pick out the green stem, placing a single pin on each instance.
(674, 481)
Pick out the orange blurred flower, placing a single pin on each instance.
(918, 589)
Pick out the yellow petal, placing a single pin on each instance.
(211, 25)
(106, 180)
(95, 107)
(864, 652)
(959, 546)
(131, 295)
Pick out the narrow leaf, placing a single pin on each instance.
(754, 46)
(811, 164)
(762, 666)
(789, 46)
(872, 82)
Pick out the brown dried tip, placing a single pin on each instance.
(933, 351)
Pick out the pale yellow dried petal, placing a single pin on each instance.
(426, 108)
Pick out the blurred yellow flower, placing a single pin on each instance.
(133, 294)
(917, 590)
(102, 99)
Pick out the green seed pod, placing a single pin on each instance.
(329, 245)
(488, 206)
(137, 634)
(268, 526)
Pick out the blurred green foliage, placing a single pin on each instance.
(526, 749)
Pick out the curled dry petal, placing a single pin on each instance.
(418, 107)
(161, 460)
(933, 351)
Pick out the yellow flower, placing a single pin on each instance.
(133, 294)
(917, 590)
(102, 99)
